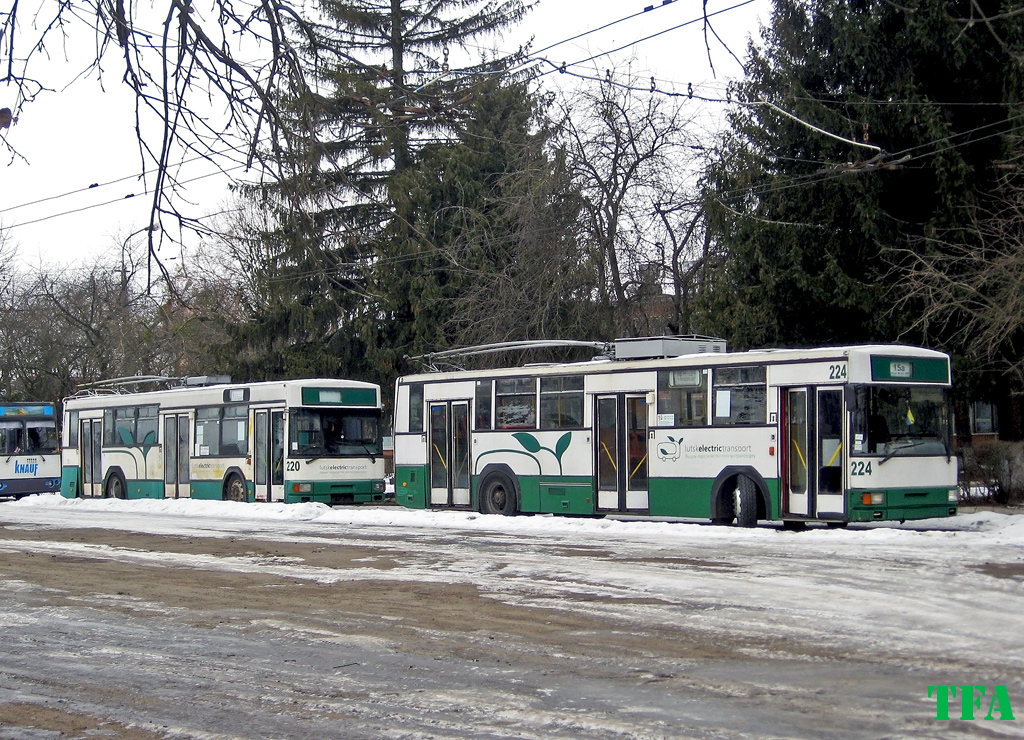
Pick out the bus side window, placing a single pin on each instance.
(208, 431)
(73, 429)
(740, 396)
(416, 408)
(235, 431)
(146, 428)
(482, 400)
(515, 403)
(682, 397)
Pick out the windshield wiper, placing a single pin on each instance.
(901, 448)
(317, 451)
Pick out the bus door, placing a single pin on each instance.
(449, 453)
(90, 453)
(177, 479)
(621, 452)
(813, 452)
(268, 473)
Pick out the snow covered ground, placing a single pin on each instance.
(918, 587)
(937, 602)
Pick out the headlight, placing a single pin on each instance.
(954, 495)
(873, 499)
(302, 487)
(378, 486)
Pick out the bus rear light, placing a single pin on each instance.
(302, 487)
(954, 495)
(873, 499)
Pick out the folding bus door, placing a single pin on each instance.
(90, 452)
(268, 465)
(813, 452)
(177, 476)
(621, 453)
(449, 453)
(830, 498)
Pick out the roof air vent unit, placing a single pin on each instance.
(204, 380)
(646, 348)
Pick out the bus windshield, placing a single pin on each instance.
(900, 420)
(42, 436)
(334, 433)
(32, 437)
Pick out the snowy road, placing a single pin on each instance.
(180, 619)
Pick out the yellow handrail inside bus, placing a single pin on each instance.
(835, 455)
(642, 459)
(799, 454)
(610, 458)
(441, 457)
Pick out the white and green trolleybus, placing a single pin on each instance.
(291, 441)
(678, 427)
(29, 449)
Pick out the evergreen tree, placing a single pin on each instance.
(807, 227)
(386, 91)
(485, 250)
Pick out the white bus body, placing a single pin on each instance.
(835, 434)
(292, 441)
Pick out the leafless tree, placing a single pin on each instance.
(544, 290)
(630, 153)
(966, 289)
(208, 77)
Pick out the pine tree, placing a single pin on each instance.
(486, 249)
(386, 90)
(808, 228)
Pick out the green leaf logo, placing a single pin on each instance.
(562, 445)
(528, 441)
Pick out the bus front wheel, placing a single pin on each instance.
(746, 502)
(235, 489)
(497, 495)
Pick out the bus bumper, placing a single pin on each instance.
(900, 504)
(334, 493)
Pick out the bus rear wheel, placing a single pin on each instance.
(115, 487)
(235, 489)
(497, 495)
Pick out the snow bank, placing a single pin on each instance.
(1004, 528)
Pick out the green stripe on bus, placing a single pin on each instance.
(213, 490)
(411, 486)
(69, 485)
(339, 396)
(909, 369)
(144, 488)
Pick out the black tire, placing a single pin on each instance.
(498, 495)
(791, 525)
(235, 489)
(746, 514)
(837, 525)
(115, 486)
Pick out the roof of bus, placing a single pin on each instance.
(207, 393)
(704, 359)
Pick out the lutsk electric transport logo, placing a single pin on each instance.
(971, 699)
(672, 449)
